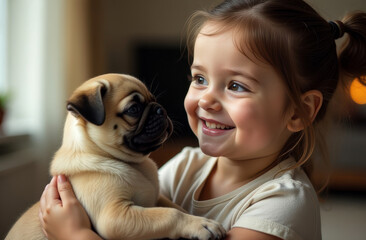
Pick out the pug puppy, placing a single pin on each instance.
(113, 124)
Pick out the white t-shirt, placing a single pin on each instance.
(284, 205)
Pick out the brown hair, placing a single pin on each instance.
(294, 39)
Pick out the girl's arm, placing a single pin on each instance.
(61, 214)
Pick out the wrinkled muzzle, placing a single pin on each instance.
(153, 129)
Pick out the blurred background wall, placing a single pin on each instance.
(49, 47)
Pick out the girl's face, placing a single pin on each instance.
(235, 107)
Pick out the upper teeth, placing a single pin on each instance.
(216, 126)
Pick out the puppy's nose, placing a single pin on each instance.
(159, 111)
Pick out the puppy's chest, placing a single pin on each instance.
(145, 184)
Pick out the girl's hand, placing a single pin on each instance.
(61, 214)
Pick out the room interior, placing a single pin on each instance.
(53, 46)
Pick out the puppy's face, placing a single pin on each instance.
(120, 116)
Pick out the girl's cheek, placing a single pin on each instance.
(190, 105)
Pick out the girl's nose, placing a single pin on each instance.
(209, 102)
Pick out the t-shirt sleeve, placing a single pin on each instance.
(284, 209)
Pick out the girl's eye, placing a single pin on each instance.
(199, 80)
(237, 87)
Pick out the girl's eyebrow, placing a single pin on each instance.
(233, 72)
(198, 67)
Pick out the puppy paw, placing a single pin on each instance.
(203, 229)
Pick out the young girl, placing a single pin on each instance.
(263, 73)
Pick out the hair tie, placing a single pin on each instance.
(337, 29)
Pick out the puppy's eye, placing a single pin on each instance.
(134, 110)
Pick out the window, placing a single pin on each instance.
(3, 30)
(22, 50)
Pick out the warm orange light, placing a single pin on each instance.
(358, 92)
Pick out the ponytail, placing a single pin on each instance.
(352, 57)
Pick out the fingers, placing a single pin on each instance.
(42, 201)
(41, 208)
(52, 194)
(60, 207)
(49, 198)
(65, 190)
(49, 193)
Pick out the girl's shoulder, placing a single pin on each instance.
(284, 188)
(285, 179)
(286, 200)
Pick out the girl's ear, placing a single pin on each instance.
(312, 101)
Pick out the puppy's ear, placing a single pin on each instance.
(89, 104)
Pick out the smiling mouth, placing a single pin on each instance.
(211, 125)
